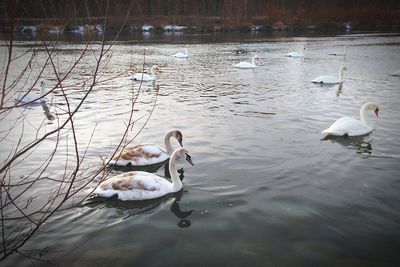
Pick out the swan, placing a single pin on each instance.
(146, 154)
(396, 73)
(140, 76)
(296, 54)
(139, 185)
(353, 127)
(247, 65)
(182, 55)
(33, 97)
(339, 53)
(326, 79)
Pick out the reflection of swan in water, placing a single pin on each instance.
(339, 89)
(357, 143)
(46, 110)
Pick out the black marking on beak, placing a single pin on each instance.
(376, 112)
(180, 140)
(189, 159)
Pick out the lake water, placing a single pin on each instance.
(265, 190)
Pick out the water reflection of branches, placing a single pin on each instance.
(22, 209)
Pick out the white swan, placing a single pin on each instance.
(138, 185)
(247, 65)
(339, 53)
(182, 55)
(296, 54)
(33, 97)
(353, 127)
(140, 76)
(146, 154)
(326, 79)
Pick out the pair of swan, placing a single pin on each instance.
(146, 154)
(351, 126)
(327, 79)
(144, 77)
(33, 97)
(247, 65)
(139, 185)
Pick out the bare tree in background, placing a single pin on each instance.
(23, 208)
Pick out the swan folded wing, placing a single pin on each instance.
(348, 126)
(135, 185)
(139, 155)
(244, 65)
(325, 79)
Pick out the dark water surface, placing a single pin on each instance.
(265, 189)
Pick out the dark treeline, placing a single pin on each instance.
(217, 12)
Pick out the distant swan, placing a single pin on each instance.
(138, 185)
(339, 53)
(146, 154)
(396, 73)
(182, 55)
(32, 97)
(296, 54)
(247, 65)
(326, 79)
(146, 77)
(353, 127)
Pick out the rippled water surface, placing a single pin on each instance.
(265, 190)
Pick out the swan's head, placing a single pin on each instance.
(42, 83)
(178, 136)
(373, 106)
(343, 68)
(155, 68)
(184, 153)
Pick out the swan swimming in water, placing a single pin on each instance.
(140, 76)
(247, 65)
(182, 55)
(146, 154)
(138, 185)
(33, 97)
(339, 53)
(351, 126)
(327, 79)
(296, 54)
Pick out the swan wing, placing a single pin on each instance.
(244, 65)
(140, 155)
(180, 55)
(325, 79)
(348, 126)
(136, 185)
(142, 77)
(294, 54)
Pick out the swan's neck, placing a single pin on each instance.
(176, 182)
(152, 71)
(167, 142)
(42, 90)
(186, 51)
(341, 74)
(253, 61)
(363, 114)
